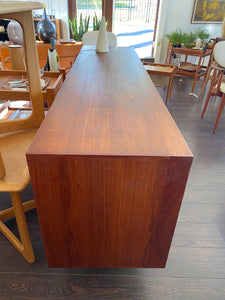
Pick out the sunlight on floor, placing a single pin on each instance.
(138, 35)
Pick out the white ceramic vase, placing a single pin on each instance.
(102, 41)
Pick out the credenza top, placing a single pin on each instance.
(108, 105)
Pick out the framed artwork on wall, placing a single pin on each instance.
(208, 11)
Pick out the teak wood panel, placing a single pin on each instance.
(108, 167)
(109, 106)
(67, 53)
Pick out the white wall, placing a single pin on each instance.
(61, 12)
(174, 14)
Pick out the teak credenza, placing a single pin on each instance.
(108, 167)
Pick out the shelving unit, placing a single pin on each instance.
(4, 35)
(67, 53)
(13, 96)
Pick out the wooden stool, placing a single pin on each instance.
(14, 174)
(155, 70)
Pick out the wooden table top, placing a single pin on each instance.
(18, 6)
(109, 106)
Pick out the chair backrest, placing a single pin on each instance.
(90, 38)
(219, 53)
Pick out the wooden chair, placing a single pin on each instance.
(210, 66)
(14, 174)
(217, 87)
(90, 38)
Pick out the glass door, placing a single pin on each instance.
(134, 24)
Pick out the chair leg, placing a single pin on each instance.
(9, 212)
(221, 107)
(213, 82)
(206, 79)
(206, 104)
(24, 246)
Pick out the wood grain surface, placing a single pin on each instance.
(108, 167)
(16, 6)
(109, 106)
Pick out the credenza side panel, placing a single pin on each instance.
(107, 211)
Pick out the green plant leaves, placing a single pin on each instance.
(179, 37)
(96, 23)
(78, 30)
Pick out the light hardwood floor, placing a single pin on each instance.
(196, 263)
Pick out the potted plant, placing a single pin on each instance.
(96, 23)
(202, 33)
(78, 30)
(189, 39)
(176, 38)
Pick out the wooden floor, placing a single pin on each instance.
(196, 263)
